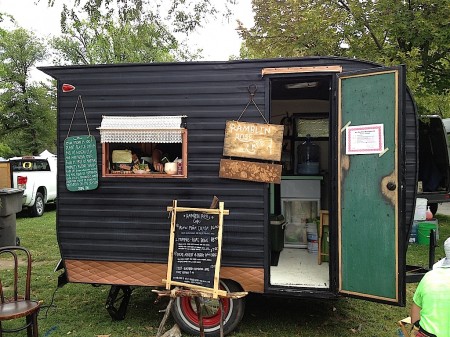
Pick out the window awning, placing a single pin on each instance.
(137, 129)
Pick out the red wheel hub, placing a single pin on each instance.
(189, 309)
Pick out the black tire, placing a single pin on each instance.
(184, 312)
(433, 208)
(39, 204)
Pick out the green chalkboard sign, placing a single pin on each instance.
(80, 154)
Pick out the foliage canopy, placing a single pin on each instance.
(415, 33)
(112, 39)
(27, 118)
(117, 31)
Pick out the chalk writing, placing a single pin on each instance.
(195, 248)
(80, 157)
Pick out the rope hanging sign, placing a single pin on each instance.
(261, 141)
(80, 158)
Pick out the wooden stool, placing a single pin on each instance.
(403, 323)
(324, 221)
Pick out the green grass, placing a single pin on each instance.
(78, 309)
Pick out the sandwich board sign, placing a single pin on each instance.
(195, 248)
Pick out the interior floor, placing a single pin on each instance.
(299, 268)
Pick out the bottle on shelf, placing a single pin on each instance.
(428, 214)
(308, 157)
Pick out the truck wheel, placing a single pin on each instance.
(184, 312)
(433, 208)
(38, 208)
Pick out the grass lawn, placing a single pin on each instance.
(79, 309)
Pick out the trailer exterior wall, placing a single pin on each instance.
(124, 220)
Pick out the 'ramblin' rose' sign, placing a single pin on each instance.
(253, 140)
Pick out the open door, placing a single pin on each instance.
(370, 264)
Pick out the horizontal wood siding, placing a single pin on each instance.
(411, 162)
(126, 219)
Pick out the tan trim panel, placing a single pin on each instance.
(150, 274)
(293, 70)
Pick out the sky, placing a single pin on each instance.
(219, 39)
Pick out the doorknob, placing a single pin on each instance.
(391, 186)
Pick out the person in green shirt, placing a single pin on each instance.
(431, 301)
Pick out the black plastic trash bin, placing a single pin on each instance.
(10, 204)
(277, 225)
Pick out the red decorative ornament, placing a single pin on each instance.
(67, 87)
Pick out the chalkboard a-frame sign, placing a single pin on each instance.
(195, 248)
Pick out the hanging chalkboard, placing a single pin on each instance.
(80, 158)
(195, 248)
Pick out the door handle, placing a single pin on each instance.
(391, 186)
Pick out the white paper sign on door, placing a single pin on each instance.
(365, 139)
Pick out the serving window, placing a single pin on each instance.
(144, 147)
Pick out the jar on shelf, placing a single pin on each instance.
(308, 157)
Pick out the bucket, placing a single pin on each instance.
(311, 234)
(423, 232)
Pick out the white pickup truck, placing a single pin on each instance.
(36, 176)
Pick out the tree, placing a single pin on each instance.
(112, 39)
(117, 31)
(27, 116)
(413, 32)
(113, 31)
(182, 15)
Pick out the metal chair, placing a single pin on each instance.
(17, 305)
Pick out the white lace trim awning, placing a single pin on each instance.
(136, 129)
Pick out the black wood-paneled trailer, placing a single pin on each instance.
(118, 234)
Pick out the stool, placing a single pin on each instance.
(324, 221)
(403, 323)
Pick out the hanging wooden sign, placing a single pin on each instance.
(250, 171)
(253, 140)
(195, 248)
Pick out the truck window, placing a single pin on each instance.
(30, 165)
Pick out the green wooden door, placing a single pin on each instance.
(369, 185)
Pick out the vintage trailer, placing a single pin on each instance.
(359, 117)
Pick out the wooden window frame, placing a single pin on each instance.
(150, 175)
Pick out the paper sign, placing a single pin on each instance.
(365, 139)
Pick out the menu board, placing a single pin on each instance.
(80, 157)
(195, 247)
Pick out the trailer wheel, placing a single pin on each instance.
(38, 208)
(117, 302)
(184, 312)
